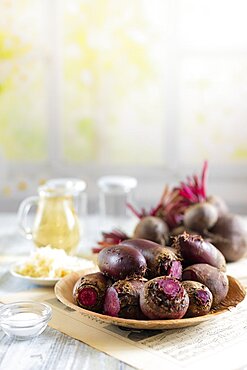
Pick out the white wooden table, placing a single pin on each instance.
(52, 349)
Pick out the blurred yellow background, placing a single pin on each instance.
(143, 88)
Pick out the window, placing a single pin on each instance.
(137, 87)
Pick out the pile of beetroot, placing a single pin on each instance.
(140, 279)
(174, 264)
(187, 207)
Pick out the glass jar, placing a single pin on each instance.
(77, 187)
(56, 221)
(115, 192)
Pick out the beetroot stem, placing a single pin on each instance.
(204, 176)
(134, 210)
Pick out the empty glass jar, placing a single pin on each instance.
(115, 192)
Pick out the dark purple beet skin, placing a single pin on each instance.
(143, 245)
(200, 297)
(152, 228)
(122, 299)
(120, 262)
(211, 277)
(200, 216)
(230, 237)
(194, 249)
(164, 298)
(161, 261)
(89, 291)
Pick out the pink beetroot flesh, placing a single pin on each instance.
(175, 270)
(87, 297)
(170, 287)
(112, 304)
(203, 297)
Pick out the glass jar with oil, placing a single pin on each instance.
(56, 221)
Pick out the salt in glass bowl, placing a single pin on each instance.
(24, 320)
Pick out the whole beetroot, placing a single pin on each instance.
(161, 261)
(200, 297)
(89, 291)
(213, 278)
(219, 204)
(229, 235)
(152, 228)
(194, 249)
(180, 230)
(121, 261)
(164, 298)
(200, 216)
(122, 299)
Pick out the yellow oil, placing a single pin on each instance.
(56, 224)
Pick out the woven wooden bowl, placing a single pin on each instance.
(64, 288)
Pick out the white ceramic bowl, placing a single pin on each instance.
(37, 281)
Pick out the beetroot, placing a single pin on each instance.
(200, 297)
(194, 249)
(121, 261)
(164, 298)
(219, 204)
(122, 299)
(161, 261)
(152, 228)
(180, 230)
(112, 303)
(89, 291)
(229, 235)
(200, 216)
(213, 278)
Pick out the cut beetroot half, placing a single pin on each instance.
(171, 269)
(88, 297)
(170, 287)
(203, 297)
(112, 304)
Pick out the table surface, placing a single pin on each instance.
(52, 349)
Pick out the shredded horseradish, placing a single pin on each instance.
(47, 262)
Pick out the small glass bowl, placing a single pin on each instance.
(24, 320)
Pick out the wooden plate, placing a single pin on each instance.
(64, 288)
